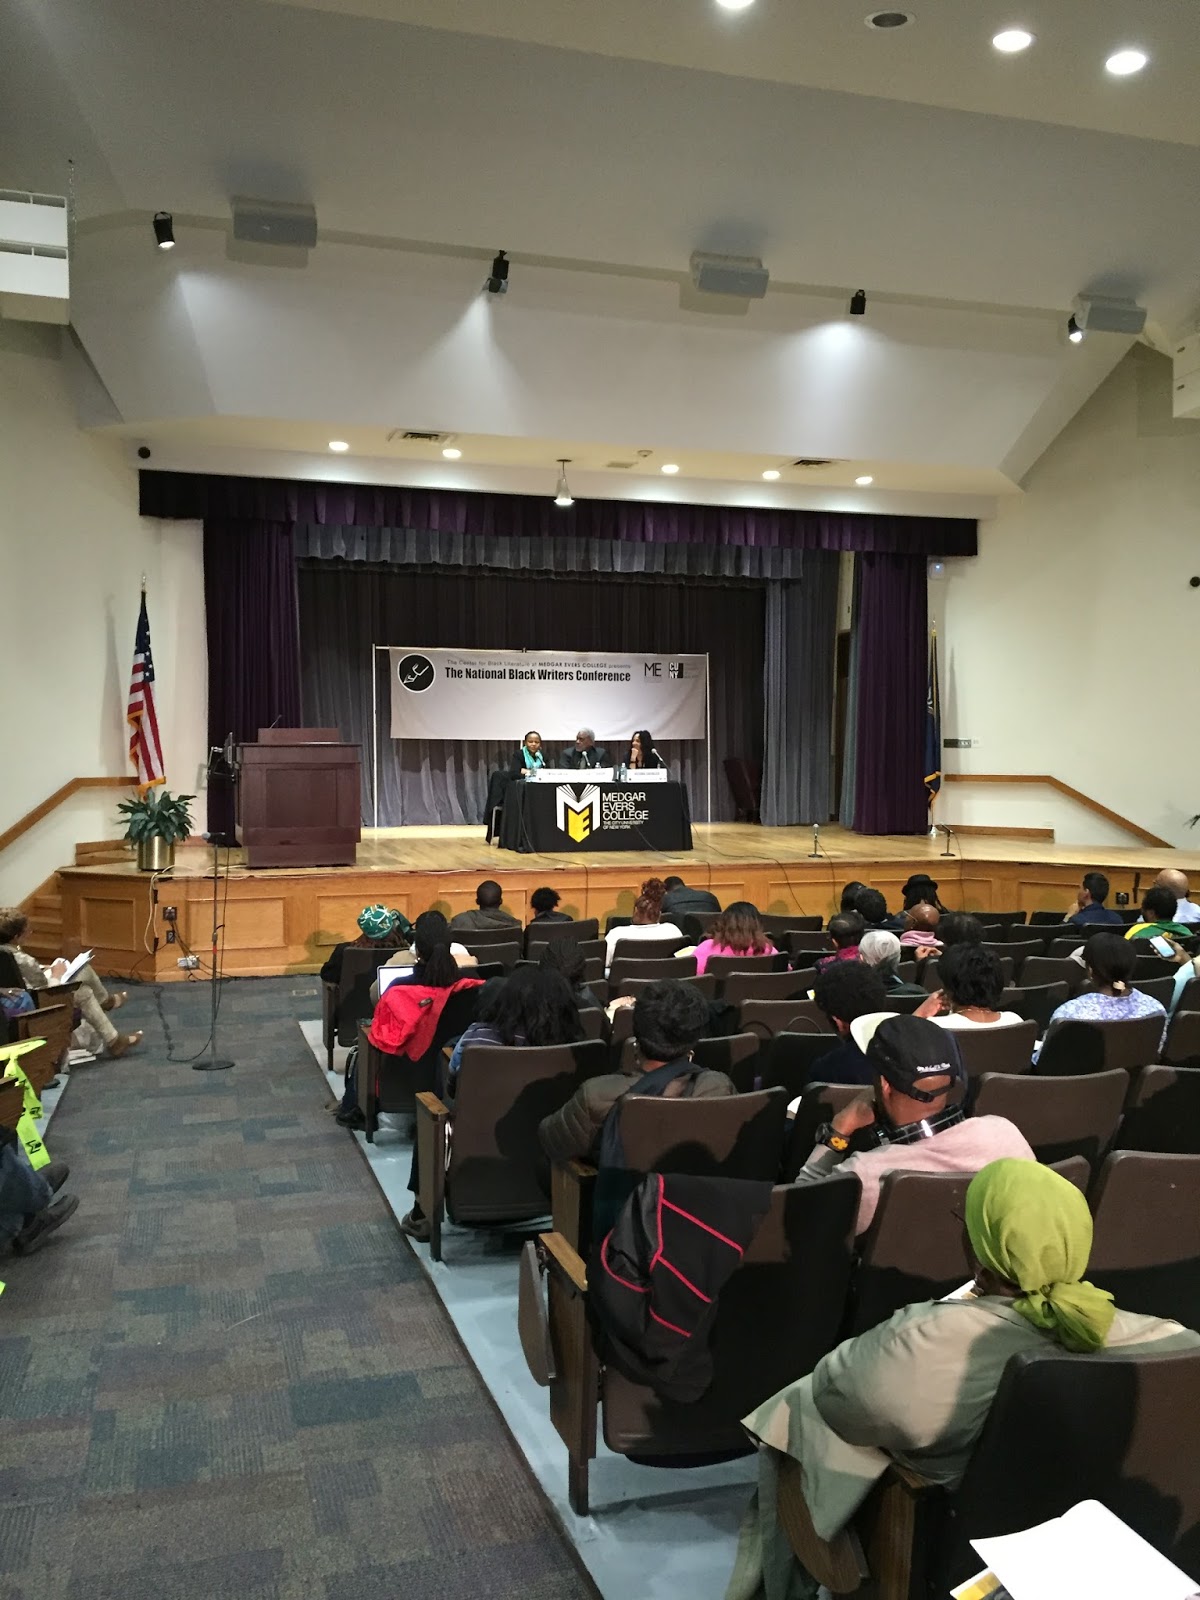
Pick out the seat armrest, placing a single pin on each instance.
(561, 1255)
(572, 1184)
(433, 1119)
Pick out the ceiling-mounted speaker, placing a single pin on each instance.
(1098, 313)
(274, 222)
(743, 276)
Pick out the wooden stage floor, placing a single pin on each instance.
(285, 920)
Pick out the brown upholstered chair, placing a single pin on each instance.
(495, 952)
(1146, 1248)
(1163, 1112)
(537, 934)
(740, 1136)
(498, 1172)
(803, 941)
(723, 967)
(1181, 1047)
(1073, 1046)
(788, 1062)
(739, 986)
(730, 1054)
(634, 986)
(1007, 1049)
(53, 1022)
(778, 1314)
(1035, 1004)
(769, 1017)
(1036, 970)
(1160, 989)
(650, 967)
(819, 1102)
(647, 949)
(1014, 952)
(779, 925)
(12, 1101)
(1061, 1117)
(348, 1002)
(913, 1249)
(392, 1083)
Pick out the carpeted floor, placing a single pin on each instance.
(227, 1375)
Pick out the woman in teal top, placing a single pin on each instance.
(527, 760)
(529, 756)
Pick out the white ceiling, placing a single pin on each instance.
(601, 144)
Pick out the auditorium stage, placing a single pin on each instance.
(285, 920)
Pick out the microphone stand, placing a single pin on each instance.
(815, 853)
(212, 1062)
(949, 832)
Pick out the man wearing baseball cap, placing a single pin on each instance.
(911, 1120)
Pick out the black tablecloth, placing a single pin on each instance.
(555, 817)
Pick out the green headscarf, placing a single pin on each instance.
(1033, 1228)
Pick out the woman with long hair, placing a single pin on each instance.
(738, 931)
(647, 921)
(642, 752)
(1110, 960)
(535, 1006)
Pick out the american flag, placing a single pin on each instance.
(145, 749)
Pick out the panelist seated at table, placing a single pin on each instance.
(526, 761)
(585, 752)
(642, 754)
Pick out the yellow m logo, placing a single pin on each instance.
(578, 815)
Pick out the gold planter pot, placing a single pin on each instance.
(155, 854)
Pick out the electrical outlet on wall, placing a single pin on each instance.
(960, 744)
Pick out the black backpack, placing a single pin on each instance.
(614, 1181)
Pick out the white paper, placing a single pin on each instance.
(1087, 1552)
(73, 967)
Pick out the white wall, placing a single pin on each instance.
(72, 553)
(1069, 643)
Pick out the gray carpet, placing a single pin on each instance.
(227, 1376)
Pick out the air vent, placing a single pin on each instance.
(416, 436)
(619, 466)
(813, 463)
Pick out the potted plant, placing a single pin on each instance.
(156, 821)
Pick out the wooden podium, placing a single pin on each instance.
(299, 799)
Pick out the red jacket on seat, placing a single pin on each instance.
(407, 1015)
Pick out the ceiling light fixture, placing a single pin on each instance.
(338, 446)
(670, 468)
(865, 481)
(734, 5)
(1075, 333)
(562, 491)
(858, 303)
(497, 280)
(771, 474)
(1011, 41)
(451, 454)
(1125, 62)
(164, 230)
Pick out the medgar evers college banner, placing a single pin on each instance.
(502, 694)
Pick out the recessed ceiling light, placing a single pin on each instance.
(885, 20)
(734, 5)
(670, 468)
(771, 474)
(865, 481)
(339, 446)
(451, 454)
(1012, 41)
(1124, 62)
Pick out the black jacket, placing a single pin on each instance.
(597, 756)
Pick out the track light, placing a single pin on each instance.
(497, 282)
(562, 492)
(1074, 332)
(858, 303)
(164, 230)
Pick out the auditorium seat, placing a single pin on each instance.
(626, 967)
(739, 986)
(513, 933)
(348, 1002)
(1036, 970)
(494, 953)
(779, 925)
(497, 1172)
(788, 1061)
(819, 1102)
(913, 1249)
(391, 1083)
(647, 949)
(539, 934)
(733, 1054)
(1060, 947)
(1163, 1111)
(1152, 966)
(1012, 955)
(777, 1315)
(1007, 919)
(805, 939)
(1131, 1044)
(1036, 1003)
(12, 1100)
(1146, 1248)
(722, 966)
(1060, 1117)
(768, 1017)
(1181, 1048)
(706, 985)
(1160, 989)
(1007, 1049)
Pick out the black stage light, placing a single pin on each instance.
(858, 303)
(164, 230)
(497, 283)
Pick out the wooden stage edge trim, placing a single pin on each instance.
(286, 921)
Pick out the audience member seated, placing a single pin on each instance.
(882, 951)
(29, 1213)
(972, 982)
(1158, 917)
(564, 956)
(409, 958)
(641, 753)
(872, 908)
(1110, 961)
(380, 929)
(406, 1014)
(647, 926)
(845, 991)
(910, 1121)
(93, 1001)
(920, 930)
(584, 753)
(681, 901)
(15, 998)
(1089, 903)
(846, 929)
(533, 1006)
(544, 904)
(850, 894)
(526, 761)
(488, 914)
(669, 1018)
(738, 931)
(1186, 911)
(959, 927)
(921, 889)
(916, 1390)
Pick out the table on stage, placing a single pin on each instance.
(579, 816)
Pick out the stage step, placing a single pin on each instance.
(101, 852)
(45, 936)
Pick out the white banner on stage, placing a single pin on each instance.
(502, 694)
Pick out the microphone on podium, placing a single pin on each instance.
(816, 849)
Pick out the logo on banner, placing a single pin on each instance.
(416, 673)
(578, 815)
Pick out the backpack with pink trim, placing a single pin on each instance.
(654, 1279)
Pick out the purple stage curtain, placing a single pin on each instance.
(253, 640)
(344, 505)
(888, 716)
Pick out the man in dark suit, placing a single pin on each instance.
(680, 901)
(585, 752)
